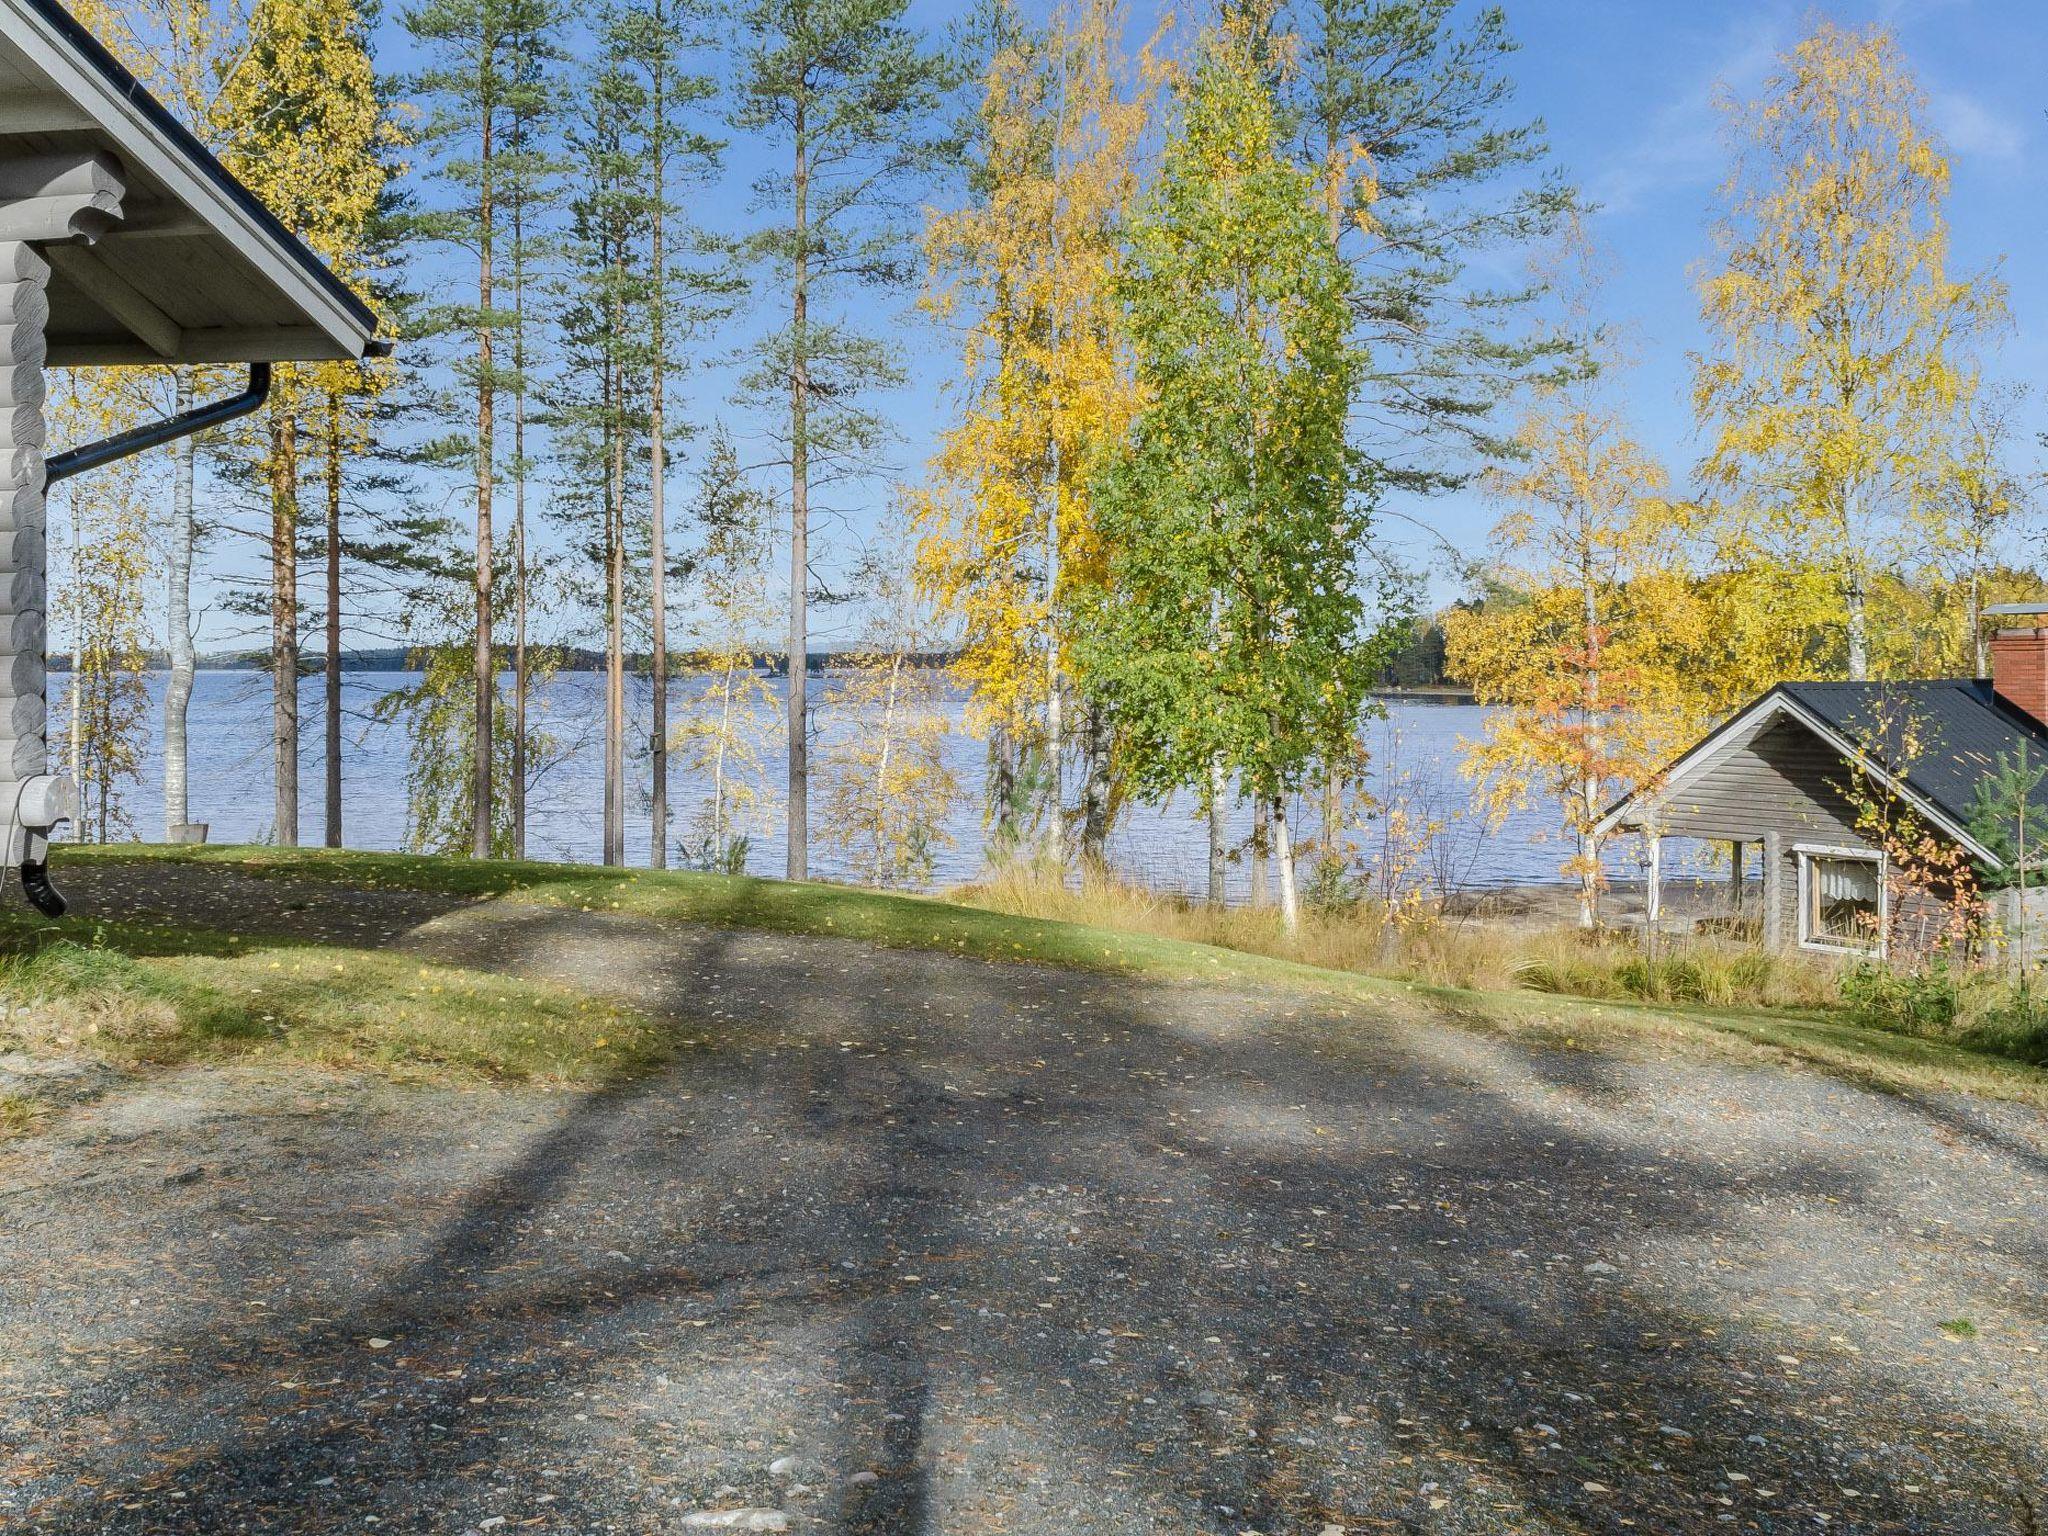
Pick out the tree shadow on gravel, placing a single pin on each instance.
(995, 1248)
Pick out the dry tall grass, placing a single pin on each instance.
(1431, 946)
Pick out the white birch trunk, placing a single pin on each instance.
(1283, 856)
(882, 769)
(178, 603)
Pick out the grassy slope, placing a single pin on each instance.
(153, 995)
(1878, 1059)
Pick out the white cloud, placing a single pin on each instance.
(1972, 128)
(1681, 145)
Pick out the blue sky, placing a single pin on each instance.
(1628, 90)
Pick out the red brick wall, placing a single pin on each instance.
(2019, 669)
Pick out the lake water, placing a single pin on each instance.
(1415, 751)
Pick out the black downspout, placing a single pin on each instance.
(73, 461)
(35, 873)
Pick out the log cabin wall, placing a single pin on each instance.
(24, 752)
(1778, 790)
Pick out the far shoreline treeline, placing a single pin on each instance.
(406, 660)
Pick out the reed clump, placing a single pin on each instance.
(1430, 942)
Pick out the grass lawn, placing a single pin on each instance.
(140, 995)
(354, 1007)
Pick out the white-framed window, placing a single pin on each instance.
(1843, 905)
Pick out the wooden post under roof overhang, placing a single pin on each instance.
(1774, 890)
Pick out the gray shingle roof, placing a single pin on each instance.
(1944, 737)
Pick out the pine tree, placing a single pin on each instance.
(304, 126)
(485, 86)
(656, 36)
(598, 406)
(526, 193)
(1400, 110)
(847, 95)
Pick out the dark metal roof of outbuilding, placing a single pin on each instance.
(1943, 737)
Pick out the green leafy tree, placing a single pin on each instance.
(1227, 627)
(848, 97)
(1402, 111)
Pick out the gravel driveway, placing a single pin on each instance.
(906, 1243)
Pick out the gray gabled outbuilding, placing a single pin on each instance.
(1792, 782)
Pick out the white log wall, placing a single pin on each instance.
(24, 751)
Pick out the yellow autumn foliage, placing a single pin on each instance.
(1024, 272)
(1841, 344)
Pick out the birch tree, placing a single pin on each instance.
(1226, 629)
(1024, 273)
(1589, 640)
(181, 50)
(1840, 345)
(303, 125)
(1983, 502)
(724, 735)
(888, 789)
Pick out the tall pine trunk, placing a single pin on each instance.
(178, 691)
(657, 559)
(284, 622)
(798, 799)
(517, 787)
(486, 471)
(615, 592)
(333, 701)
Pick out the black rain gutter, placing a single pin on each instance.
(62, 466)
